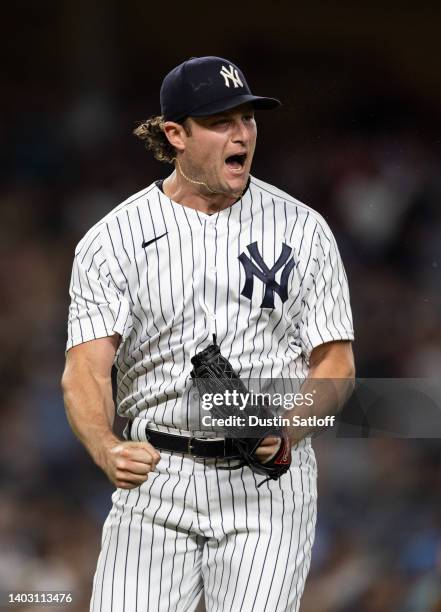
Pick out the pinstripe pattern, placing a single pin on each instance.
(251, 547)
(191, 525)
(166, 300)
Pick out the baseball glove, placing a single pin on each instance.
(212, 374)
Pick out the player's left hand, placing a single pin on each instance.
(268, 448)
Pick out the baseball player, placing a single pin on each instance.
(209, 252)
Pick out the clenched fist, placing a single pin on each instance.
(128, 464)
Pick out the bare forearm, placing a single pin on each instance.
(87, 388)
(90, 410)
(330, 383)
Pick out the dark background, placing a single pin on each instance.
(358, 138)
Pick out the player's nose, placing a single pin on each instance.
(240, 132)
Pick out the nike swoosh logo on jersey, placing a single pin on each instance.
(147, 242)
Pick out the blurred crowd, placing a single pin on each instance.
(65, 164)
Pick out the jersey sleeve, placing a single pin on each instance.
(326, 309)
(98, 308)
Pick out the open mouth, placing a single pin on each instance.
(236, 162)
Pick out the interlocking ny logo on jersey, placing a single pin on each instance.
(266, 275)
(231, 74)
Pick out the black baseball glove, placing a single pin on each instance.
(212, 374)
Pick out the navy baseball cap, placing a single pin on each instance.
(204, 86)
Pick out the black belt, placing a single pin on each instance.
(198, 447)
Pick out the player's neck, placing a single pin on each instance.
(194, 196)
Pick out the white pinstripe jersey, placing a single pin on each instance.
(166, 277)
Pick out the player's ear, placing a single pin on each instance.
(176, 134)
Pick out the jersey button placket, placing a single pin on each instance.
(210, 253)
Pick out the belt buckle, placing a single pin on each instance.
(190, 445)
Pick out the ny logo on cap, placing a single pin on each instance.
(232, 75)
(266, 275)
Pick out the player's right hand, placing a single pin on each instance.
(128, 464)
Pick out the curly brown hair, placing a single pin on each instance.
(152, 133)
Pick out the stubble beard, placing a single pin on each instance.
(195, 176)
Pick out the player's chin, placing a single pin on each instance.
(236, 181)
